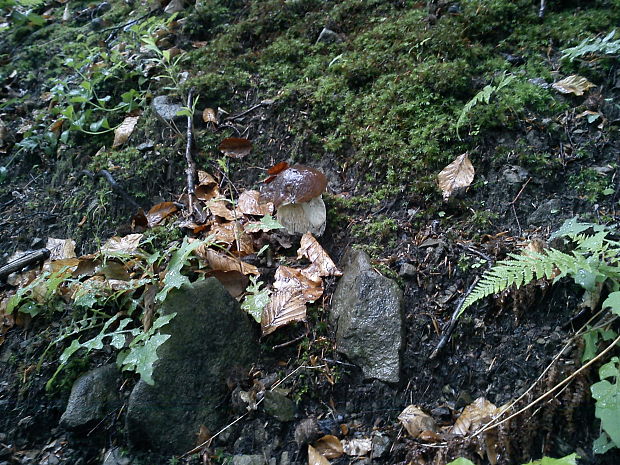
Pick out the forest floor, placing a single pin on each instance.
(378, 95)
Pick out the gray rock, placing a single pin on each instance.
(407, 270)
(167, 110)
(380, 445)
(284, 459)
(114, 456)
(328, 36)
(279, 406)
(307, 430)
(248, 460)
(367, 311)
(211, 338)
(93, 396)
(515, 174)
(545, 212)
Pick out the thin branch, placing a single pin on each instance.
(114, 185)
(191, 166)
(23, 261)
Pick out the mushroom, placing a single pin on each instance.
(296, 194)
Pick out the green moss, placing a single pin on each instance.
(590, 184)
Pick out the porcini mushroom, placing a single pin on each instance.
(296, 194)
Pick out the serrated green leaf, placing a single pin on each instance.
(174, 279)
(613, 301)
(568, 460)
(266, 223)
(461, 461)
(141, 358)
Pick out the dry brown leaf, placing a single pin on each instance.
(235, 147)
(329, 446)
(148, 303)
(159, 212)
(476, 414)
(249, 203)
(219, 207)
(205, 178)
(220, 262)
(60, 248)
(314, 458)
(139, 221)
(357, 447)
(234, 234)
(283, 308)
(415, 421)
(233, 281)
(69, 263)
(56, 126)
(289, 280)
(320, 262)
(207, 192)
(209, 115)
(458, 174)
(277, 168)
(123, 132)
(573, 84)
(124, 245)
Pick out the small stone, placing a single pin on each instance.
(515, 174)
(279, 406)
(407, 270)
(328, 36)
(248, 460)
(145, 146)
(545, 212)
(167, 110)
(380, 445)
(284, 459)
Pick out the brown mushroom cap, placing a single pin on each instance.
(296, 184)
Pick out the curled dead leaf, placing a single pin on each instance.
(249, 203)
(476, 414)
(219, 207)
(159, 212)
(415, 421)
(60, 248)
(220, 262)
(235, 147)
(209, 115)
(314, 458)
(458, 174)
(124, 131)
(277, 168)
(329, 446)
(573, 84)
(283, 308)
(122, 245)
(233, 234)
(320, 262)
(289, 280)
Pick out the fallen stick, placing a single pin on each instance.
(114, 185)
(22, 262)
(190, 171)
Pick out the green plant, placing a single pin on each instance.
(568, 460)
(593, 46)
(484, 96)
(256, 300)
(594, 261)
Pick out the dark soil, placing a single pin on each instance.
(389, 206)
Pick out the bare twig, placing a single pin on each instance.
(23, 261)
(191, 166)
(251, 109)
(114, 185)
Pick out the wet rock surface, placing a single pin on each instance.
(367, 312)
(93, 396)
(210, 337)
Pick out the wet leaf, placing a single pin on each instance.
(235, 147)
(205, 178)
(357, 447)
(234, 282)
(290, 280)
(249, 204)
(329, 446)
(220, 208)
(139, 221)
(277, 168)
(314, 458)
(573, 84)
(296, 184)
(207, 192)
(283, 308)
(320, 262)
(159, 212)
(60, 248)
(124, 131)
(127, 245)
(458, 174)
(209, 115)
(233, 234)
(416, 421)
(220, 262)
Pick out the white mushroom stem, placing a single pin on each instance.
(300, 218)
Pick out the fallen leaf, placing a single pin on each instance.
(209, 115)
(139, 221)
(123, 132)
(205, 178)
(415, 421)
(175, 6)
(289, 280)
(357, 447)
(296, 184)
(476, 414)
(234, 282)
(320, 262)
(329, 446)
(206, 192)
(235, 147)
(220, 262)
(277, 168)
(159, 212)
(573, 84)
(234, 234)
(249, 203)
(60, 248)
(283, 308)
(122, 245)
(219, 207)
(314, 458)
(458, 174)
